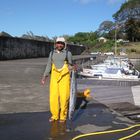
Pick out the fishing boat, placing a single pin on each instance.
(109, 73)
(118, 73)
(112, 68)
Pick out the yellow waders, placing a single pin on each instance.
(59, 92)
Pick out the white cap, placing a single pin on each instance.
(60, 39)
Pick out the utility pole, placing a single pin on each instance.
(116, 39)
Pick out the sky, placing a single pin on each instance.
(55, 17)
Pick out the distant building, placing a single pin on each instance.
(102, 39)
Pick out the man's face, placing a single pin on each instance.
(60, 45)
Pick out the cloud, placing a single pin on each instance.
(85, 1)
(114, 1)
(93, 1)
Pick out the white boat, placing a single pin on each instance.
(116, 62)
(94, 70)
(117, 73)
(86, 72)
(109, 73)
(112, 68)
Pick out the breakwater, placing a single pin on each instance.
(18, 48)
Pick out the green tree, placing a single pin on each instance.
(105, 27)
(84, 38)
(30, 35)
(132, 28)
(128, 17)
(5, 34)
(128, 10)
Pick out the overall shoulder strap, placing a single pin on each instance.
(66, 59)
(52, 51)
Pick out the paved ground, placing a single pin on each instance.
(24, 105)
(20, 86)
(136, 94)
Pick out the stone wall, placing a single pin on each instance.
(18, 48)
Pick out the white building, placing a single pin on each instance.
(102, 39)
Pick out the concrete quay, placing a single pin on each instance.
(24, 106)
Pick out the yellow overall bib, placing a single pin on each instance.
(59, 92)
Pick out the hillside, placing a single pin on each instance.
(132, 49)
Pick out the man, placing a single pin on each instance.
(59, 64)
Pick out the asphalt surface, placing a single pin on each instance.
(24, 106)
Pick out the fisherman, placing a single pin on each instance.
(59, 64)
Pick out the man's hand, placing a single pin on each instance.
(43, 80)
(75, 67)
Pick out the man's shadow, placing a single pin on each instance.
(81, 103)
(80, 106)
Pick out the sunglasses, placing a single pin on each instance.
(60, 43)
